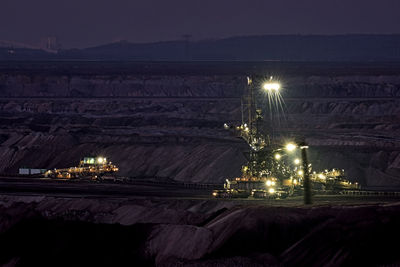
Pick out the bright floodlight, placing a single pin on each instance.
(100, 160)
(297, 161)
(278, 156)
(271, 86)
(271, 190)
(290, 147)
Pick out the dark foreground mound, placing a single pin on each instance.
(40, 242)
(65, 232)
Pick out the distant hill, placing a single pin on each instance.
(22, 54)
(248, 48)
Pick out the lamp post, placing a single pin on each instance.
(307, 181)
(306, 174)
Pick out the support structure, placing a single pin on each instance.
(306, 181)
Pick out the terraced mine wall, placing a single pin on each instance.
(170, 126)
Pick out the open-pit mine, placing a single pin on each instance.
(176, 134)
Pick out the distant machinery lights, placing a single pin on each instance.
(271, 191)
(101, 160)
(270, 183)
(271, 85)
(290, 147)
(305, 172)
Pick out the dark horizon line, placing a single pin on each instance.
(190, 40)
(240, 36)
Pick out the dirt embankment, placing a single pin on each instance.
(47, 231)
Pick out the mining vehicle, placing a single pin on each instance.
(231, 193)
(333, 181)
(94, 168)
(272, 170)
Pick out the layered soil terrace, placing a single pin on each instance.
(171, 125)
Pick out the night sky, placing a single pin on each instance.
(82, 23)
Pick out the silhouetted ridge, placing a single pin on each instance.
(247, 48)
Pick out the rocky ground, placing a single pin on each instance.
(155, 124)
(48, 231)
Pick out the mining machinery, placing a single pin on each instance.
(94, 168)
(272, 170)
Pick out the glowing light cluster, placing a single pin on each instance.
(101, 160)
(290, 147)
(270, 183)
(271, 86)
(271, 190)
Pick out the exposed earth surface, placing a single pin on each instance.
(164, 122)
(138, 231)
